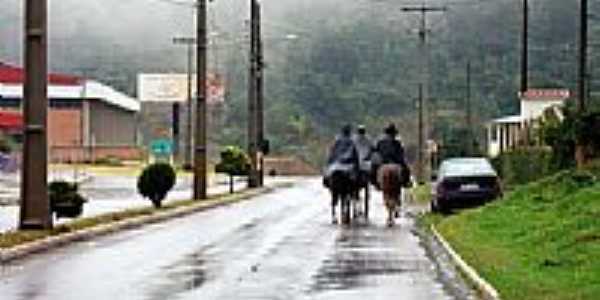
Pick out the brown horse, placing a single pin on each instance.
(389, 177)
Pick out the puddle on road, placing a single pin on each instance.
(185, 275)
(363, 254)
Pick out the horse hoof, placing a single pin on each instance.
(397, 214)
(334, 221)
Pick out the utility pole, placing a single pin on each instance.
(253, 176)
(421, 125)
(189, 42)
(35, 210)
(525, 48)
(200, 149)
(583, 45)
(260, 114)
(581, 105)
(470, 145)
(422, 159)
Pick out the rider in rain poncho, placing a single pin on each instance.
(365, 148)
(343, 156)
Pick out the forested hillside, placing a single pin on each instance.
(352, 61)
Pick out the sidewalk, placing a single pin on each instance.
(109, 194)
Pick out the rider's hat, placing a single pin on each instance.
(361, 129)
(391, 129)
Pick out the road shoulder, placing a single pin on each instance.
(65, 234)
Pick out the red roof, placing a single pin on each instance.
(13, 75)
(11, 120)
(545, 94)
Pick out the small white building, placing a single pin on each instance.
(505, 133)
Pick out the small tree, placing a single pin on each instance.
(234, 162)
(156, 181)
(65, 199)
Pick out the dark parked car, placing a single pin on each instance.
(462, 182)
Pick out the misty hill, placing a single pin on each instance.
(353, 61)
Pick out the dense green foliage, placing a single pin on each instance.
(524, 165)
(540, 242)
(65, 199)
(234, 162)
(156, 181)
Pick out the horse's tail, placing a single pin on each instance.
(389, 178)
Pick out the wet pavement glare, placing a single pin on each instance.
(277, 246)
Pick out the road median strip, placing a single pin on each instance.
(18, 244)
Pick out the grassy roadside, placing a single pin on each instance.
(422, 193)
(15, 238)
(542, 241)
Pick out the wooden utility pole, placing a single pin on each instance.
(35, 212)
(583, 45)
(525, 48)
(423, 161)
(189, 42)
(470, 135)
(200, 149)
(253, 176)
(260, 78)
(580, 158)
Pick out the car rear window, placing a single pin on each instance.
(467, 167)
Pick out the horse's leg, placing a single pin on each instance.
(390, 207)
(346, 209)
(334, 202)
(366, 205)
(398, 204)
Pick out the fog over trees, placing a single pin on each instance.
(349, 61)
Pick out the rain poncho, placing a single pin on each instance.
(364, 146)
(342, 157)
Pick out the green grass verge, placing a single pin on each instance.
(542, 241)
(422, 193)
(16, 238)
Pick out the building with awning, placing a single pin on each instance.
(87, 119)
(507, 132)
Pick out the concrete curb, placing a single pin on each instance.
(486, 289)
(52, 242)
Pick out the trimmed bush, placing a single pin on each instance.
(156, 181)
(65, 200)
(234, 162)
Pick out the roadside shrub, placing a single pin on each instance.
(65, 199)
(234, 162)
(156, 181)
(524, 165)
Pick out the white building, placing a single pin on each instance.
(506, 132)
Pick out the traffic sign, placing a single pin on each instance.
(161, 147)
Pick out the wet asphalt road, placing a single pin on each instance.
(277, 246)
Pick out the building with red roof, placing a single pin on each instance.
(87, 120)
(507, 132)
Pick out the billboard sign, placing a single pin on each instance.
(173, 88)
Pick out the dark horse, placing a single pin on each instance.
(343, 188)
